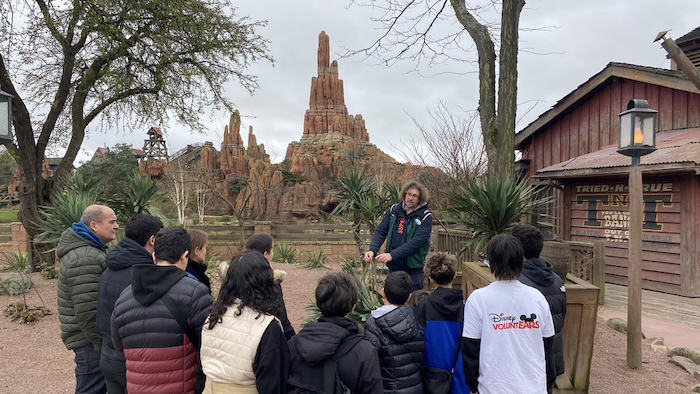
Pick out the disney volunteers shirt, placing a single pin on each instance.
(511, 320)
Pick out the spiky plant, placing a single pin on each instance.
(489, 206)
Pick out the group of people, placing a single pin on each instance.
(140, 318)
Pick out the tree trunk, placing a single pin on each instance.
(507, 90)
(497, 128)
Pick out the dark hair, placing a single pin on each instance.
(259, 242)
(505, 254)
(250, 280)
(142, 227)
(424, 196)
(397, 287)
(336, 294)
(441, 267)
(531, 239)
(198, 238)
(416, 296)
(171, 243)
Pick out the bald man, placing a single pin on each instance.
(82, 250)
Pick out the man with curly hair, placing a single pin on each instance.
(406, 227)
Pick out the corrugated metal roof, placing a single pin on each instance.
(672, 147)
(693, 35)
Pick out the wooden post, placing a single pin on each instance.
(598, 269)
(634, 270)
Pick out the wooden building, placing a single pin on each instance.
(572, 148)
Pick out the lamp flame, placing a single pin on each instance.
(638, 136)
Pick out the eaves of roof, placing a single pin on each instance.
(658, 76)
(676, 151)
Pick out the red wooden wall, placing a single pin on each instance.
(594, 123)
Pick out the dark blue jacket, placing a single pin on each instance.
(408, 240)
(113, 281)
(538, 273)
(441, 314)
(399, 341)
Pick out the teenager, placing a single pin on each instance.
(244, 349)
(508, 329)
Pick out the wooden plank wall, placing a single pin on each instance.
(668, 257)
(594, 123)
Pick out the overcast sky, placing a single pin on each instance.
(563, 43)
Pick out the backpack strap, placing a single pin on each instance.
(181, 320)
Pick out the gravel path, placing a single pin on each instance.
(34, 359)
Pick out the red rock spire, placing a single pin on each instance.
(327, 112)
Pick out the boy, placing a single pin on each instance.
(358, 368)
(441, 314)
(508, 329)
(395, 334)
(157, 320)
(538, 273)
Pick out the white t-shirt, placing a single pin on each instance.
(511, 319)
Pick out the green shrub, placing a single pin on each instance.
(226, 218)
(285, 253)
(14, 284)
(316, 259)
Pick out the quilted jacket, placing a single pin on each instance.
(159, 356)
(399, 341)
(82, 263)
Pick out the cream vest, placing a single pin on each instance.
(228, 350)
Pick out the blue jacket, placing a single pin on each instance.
(399, 341)
(407, 236)
(441, 314)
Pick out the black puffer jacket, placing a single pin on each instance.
(317, 341)
(538, 273)
(113, 281)
(399, 341)
(160, 357)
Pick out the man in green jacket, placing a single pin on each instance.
(82, 250)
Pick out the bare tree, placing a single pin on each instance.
(407, 26)
(451, 145)
(181, 185)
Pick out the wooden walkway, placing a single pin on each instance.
(656, 305)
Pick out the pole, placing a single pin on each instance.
(634, 268)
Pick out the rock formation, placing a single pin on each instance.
(327, 112)
(298, 188)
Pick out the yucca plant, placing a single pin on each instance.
(65, 209)
(316, 259)
(369, 297)
(137, 198)
(490, 206)
(285, 253)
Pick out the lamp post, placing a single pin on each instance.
(5, 117)
(637, 138)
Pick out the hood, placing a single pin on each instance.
(126, 254)
(319, 340)
(84, 231)
(399, 324)
(448, 302)
(71, 240)
(383, 310)
(419, 211)
(538, 271)
(149, 281)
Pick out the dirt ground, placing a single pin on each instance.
(34, 359)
